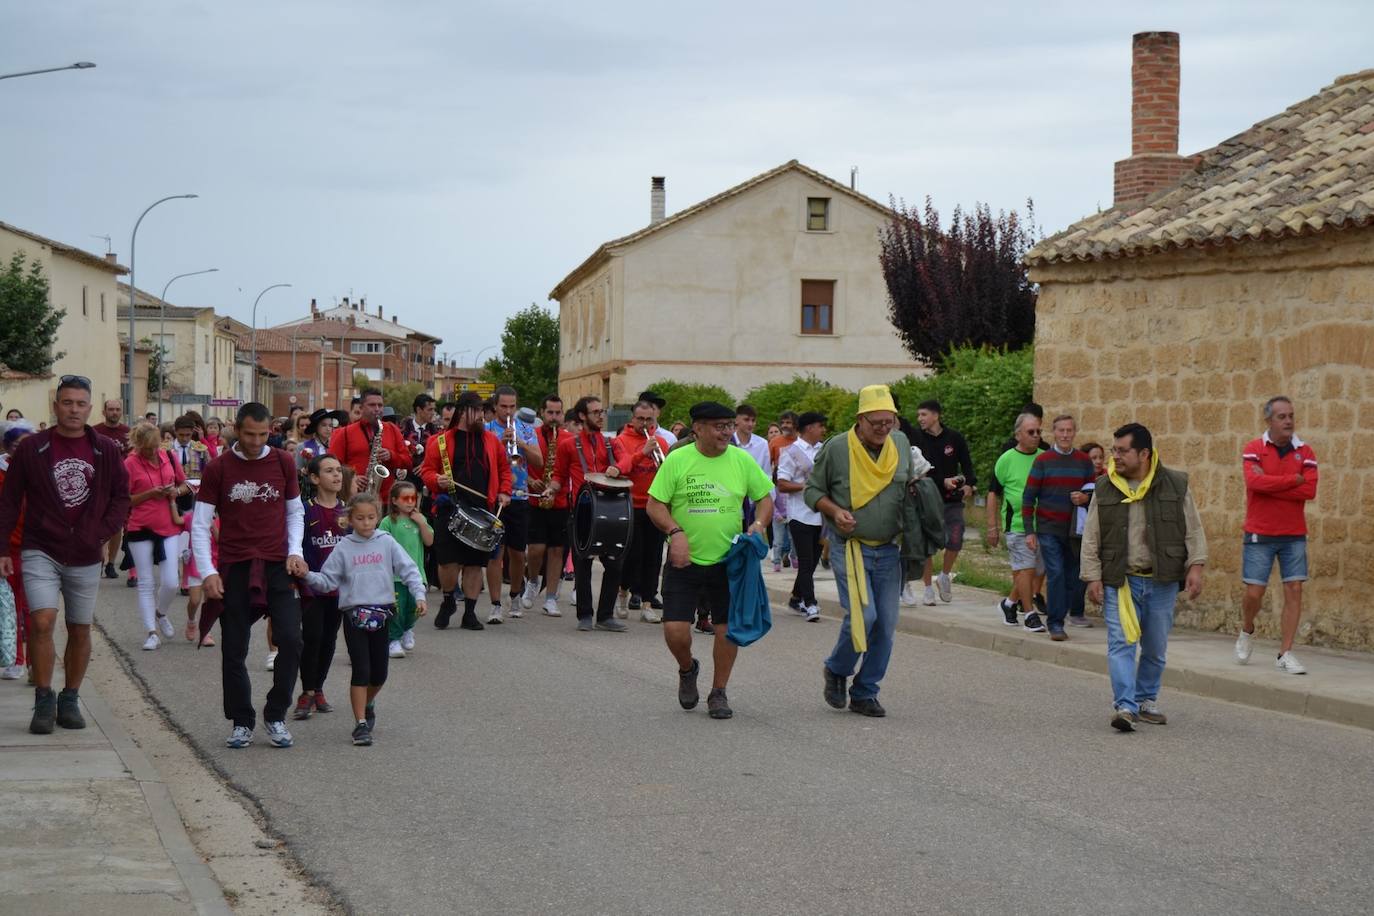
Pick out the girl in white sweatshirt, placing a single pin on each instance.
(362, 568)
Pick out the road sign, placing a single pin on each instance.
(485, 389)
(225, 402)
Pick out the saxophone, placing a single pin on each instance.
(546, 497)
(376, 471)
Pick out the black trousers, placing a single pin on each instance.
(582, 586)
(643, 558)
(806, 540)
(236, 630)
(367, 653)
(319, 636)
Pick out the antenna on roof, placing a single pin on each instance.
(853, 177)
(109, 246)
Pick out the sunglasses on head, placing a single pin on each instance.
(74, 381)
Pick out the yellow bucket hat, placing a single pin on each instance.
(875, 397)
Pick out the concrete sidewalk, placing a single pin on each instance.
(1339, 686)
(88, 824)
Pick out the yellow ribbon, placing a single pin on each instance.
(867, 478)
(1125, 605)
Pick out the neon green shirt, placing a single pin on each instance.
(706, 497)
(1012, 470)
(407, 534)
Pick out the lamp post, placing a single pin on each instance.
(79, 65)
(133, 340)
(162, 331)
(478, 361)
(254, 335)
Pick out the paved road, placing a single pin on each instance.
(532, 769)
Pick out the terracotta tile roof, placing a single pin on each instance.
(615, 245)
(1307, 169)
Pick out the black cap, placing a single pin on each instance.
(808, 418)
(338, 416)
(711, 410)
(654, 398)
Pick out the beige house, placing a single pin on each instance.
(1238, 274)
(199, 351)
(771, 278)
(84, 284)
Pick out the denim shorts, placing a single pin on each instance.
(1022, 557)
(45, 580)
(1257, 561)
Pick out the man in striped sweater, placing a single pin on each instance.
(1049, 503)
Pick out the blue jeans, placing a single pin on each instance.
(1135, 681)
(782, 539)
(883, 573)
(1062, 582)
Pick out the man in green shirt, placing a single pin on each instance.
(697, 500)
(1011, 471)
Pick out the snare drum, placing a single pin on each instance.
(475, 527)
(603, 517)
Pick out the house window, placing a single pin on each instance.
(102, 306)
(818, 307)
(364, 346)
(373, 375)
(84, 311)
(817, 214)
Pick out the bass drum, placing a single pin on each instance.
(603, 519)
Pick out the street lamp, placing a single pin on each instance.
(162, 330)
(478, 360)
(133, 293)
(253, 366)
(79, 65)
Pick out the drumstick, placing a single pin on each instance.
(469, 489)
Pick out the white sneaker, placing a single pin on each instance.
(946, 587)
(494, 616)
(408, 640)
(929, 598)
(622, 609)
(649, 615)
(151, 643)
(272, 660)
(909, 595)
(394, 650)
(12, 673)
(164, 623)
(551, 608)
(517, 608)
(528, 595)
(1244, 646)
(1288, 664)
(813, 612)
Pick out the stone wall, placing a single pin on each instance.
(1191, 343)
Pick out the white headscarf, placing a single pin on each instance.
(920, 467)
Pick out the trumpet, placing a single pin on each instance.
(512, 447)
(658, 453)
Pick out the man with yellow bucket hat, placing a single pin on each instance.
(859, 483)
(1143, 541)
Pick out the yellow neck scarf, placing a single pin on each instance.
(867, 478)
(1130, 621)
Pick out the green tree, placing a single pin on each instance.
(157, 368)
(28, 322)
(361, 381)
(803, 393)
(529, 354)
(682, 395)
(401, 398)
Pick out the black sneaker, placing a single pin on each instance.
(867, 707)
(717, 706)
(656, 604)
(1039, 602)
(687, 695)
(834, 688)
(470, 621)
(44, 711)
(634, 604)
(795, 604)
(1009, 610)
(447, 608)
(110, 572)
(131, 582)
(704, 624)
(1033, 623)
(69, 710)
(362, 735)
(370, 714)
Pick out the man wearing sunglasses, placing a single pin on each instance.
(71, 485)
(1011, 472)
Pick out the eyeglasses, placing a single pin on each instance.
(74, 381)
(880, 424)
(1032, 432)
(726, 427)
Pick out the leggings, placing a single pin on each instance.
(367, 652)
(807, 540)
(319, 635)
(164, 580)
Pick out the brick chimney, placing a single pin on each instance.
(1155, 163)
(111, 258)
(657, 200)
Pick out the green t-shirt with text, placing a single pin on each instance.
(706, 497)
(1012, 470)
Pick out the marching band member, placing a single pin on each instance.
(548, 515)
(352, 444)
(642, 449)
(522, 451)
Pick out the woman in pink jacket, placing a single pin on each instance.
(154, 528)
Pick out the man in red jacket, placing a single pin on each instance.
(460, 463)
(641, 450)
(1280, 478)
(352, 444)
(71, 485)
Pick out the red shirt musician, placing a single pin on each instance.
(352, 445)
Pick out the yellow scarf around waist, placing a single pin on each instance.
(1125, 605)
(867, 478)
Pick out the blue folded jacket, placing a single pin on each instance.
(749, 617)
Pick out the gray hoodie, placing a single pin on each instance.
(363, 569)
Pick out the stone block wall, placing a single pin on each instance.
(1191, 343)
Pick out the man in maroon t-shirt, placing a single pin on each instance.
(255, 490)
(111, 428)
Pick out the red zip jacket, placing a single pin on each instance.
(567, 466)
(1274, 500)
(635, 465)
(29, 489)
(352, 445)
(498, 464)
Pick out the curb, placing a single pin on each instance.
(206, 894)
(1090, 659)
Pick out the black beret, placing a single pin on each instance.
(808, 418)
(711, 410)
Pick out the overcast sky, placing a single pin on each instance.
(453, 161)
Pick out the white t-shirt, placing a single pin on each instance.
(794, 466)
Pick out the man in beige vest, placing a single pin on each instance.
(1143, 532)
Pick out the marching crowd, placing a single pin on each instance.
(345, 519)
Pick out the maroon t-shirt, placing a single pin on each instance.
(119, 433)
(73, 471)
(251, 498)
